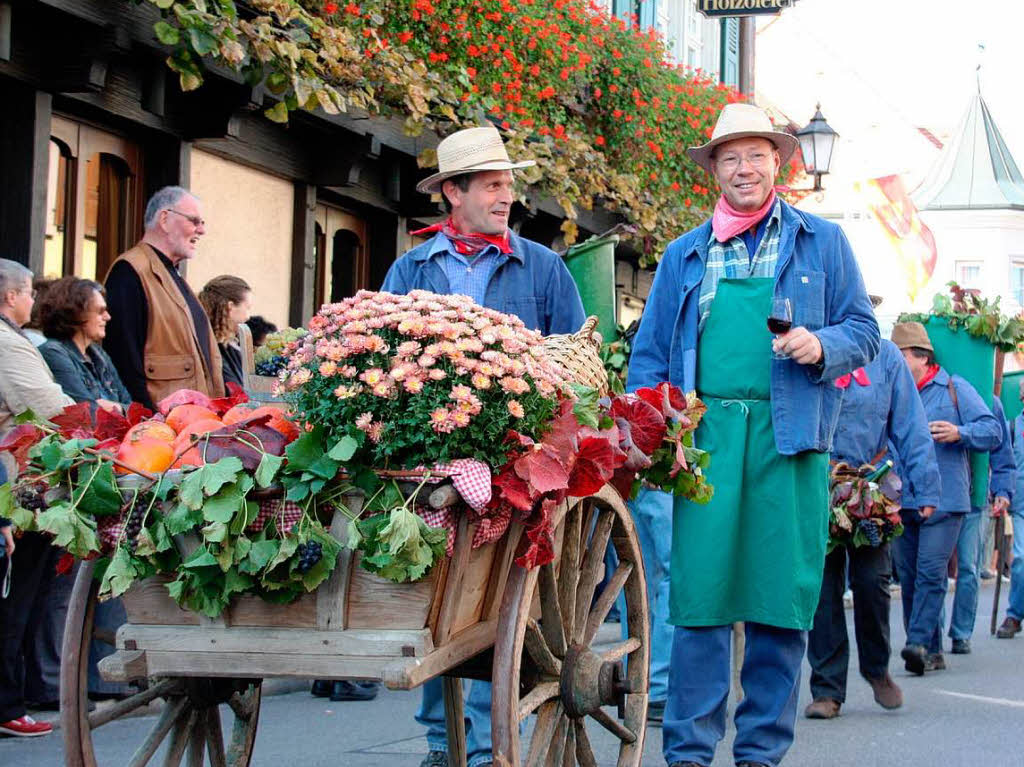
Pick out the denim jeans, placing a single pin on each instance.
(652, 515)
(698, 686)
(478, 719)
(922, 554)
(1015, 608)
(828, 643)
(968, 555)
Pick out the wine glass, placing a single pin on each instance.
(780, 321)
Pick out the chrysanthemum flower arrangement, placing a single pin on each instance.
(421, 378)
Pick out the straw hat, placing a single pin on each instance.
(469, 151)
(908, 335)
(742, 121)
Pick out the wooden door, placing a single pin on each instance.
(342, 255)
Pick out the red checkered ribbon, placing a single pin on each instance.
(488, 529)
(285, 513)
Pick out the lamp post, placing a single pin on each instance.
(816, 141)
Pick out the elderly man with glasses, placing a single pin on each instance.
(160, 338)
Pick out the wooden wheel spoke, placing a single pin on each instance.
(604, 602)
(556, 753)
(171, 714)
(568, 570)
(551, 611)
(180, 734)
(122, 707)
(620, 650)
(197, 743)
(569, 755)
(539, 650)
(592, 570)
(242, 704)
(547, 720)
(215, 739)
(584, 752)
(614, 726)
(539, 695)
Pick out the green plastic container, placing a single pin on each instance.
(1010, 395)
(973, 359)
(592, 266)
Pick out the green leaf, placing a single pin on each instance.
(200, 558)
(119, 575)
(7, 504)
(164, 4)
(260, 554)
(585, 408)
(101, 497)
(287, 548)
(182, 519)
(345, 449)
(208, 479)
(223, 506)
(26, 416)
(269, 466)
(166, 34)
(202, 41)
(236, 583)
(215, 532)
(277, 113)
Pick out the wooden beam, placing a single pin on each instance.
(5, 31)
(303, 259)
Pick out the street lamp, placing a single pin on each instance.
(816, 141)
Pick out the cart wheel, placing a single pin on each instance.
(544, 659)
(191, 718)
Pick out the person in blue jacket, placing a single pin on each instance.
(970, 543)
(959, 422)
(1011, 624)
(880, 405)
(755, 553)
(474, 253)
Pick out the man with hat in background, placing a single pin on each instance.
(755, 554)
(959, 422)
(880, 406)
(474, 253)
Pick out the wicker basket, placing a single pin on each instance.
(579, 354)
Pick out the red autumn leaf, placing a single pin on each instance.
(74, 421)
(623, 480)
(110, 445)
(669, 400)
(247, 441)
(512, 488)
(595, 464)
(543, 470)
(680, 461)
(541, 549)
(646, 426)
(563, 434)
(236, 396)
(183, 397)
(19, 440)
(110, 425)
(137, 413)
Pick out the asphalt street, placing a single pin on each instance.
(970, 714)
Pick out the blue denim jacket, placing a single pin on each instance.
(979, 430)
(84, 379)
(1017, 445)
(1001, 463)
(889, 410)
(817, 271)
(532, 283)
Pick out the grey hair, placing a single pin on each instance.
(12, 275)
(162, 200)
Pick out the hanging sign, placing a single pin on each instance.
(719, 8)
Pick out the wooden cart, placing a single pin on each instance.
(477, 615)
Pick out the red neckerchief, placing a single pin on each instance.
(727, 222)
(927, 377)
(859, 375)
(468, 244)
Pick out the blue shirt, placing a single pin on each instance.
(466, 276)
(1001, 463)
(889, 410)
(532, 282)
(979, 430)
(1017, 446)
(817, 271)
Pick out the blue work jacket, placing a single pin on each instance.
(979, 430)
(1001, 463)
(817, 271)
(531, 282)
(889, 410)
(1017, 446)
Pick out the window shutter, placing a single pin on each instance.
(730, 68)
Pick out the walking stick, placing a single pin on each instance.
(1000, 564)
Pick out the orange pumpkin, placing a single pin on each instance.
(152, 429)
(183, 415)
(278, 420)
(144, 454)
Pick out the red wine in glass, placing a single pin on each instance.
(779, 326)
(780, 320)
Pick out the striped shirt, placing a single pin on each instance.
(467, 276)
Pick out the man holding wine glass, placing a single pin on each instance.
(756, 554)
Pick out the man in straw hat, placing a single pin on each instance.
(756, 554)
(959, 422)
(880, 406)
(475, 253)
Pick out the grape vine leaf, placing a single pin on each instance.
(542, 469)
(208, 479)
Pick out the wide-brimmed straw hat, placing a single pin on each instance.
(911, 335)
(469, 151)
(742, 121)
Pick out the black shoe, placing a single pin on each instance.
(914, 658)
(354, 691)
(961, 646)
(655, 712)
(322, 688)
(1010, 627)
(435, 759)
(936, 661)
(686, 764)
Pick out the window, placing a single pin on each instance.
(968, 273)
(1017, 280)
(341, 255)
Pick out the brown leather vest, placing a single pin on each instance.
(172, 356)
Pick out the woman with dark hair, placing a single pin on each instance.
(260, 329)
(73, 317)
(228, 303)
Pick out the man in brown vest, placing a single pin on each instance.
(160, 338)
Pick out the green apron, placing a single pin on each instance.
(756, 552)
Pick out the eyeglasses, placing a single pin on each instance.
(730, 162)
(194, 220)
(31, 291)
